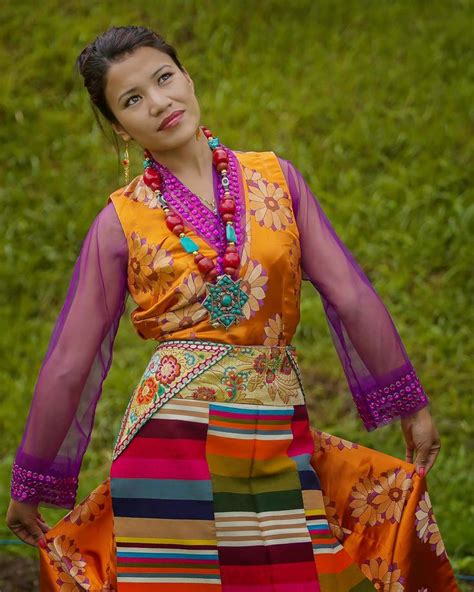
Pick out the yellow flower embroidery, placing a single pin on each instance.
(274, 334)
(149, 265)
(253, 283)
(269, 204)
(426, 525)
(384, 577)
(90, 508)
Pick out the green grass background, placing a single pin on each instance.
(371, 100)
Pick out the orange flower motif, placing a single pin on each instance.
(65, 557)
(270, 205)
(362, 502)
(393, 489)
(143, 194)
(251, 175)
(427, 527)
(190, 290)
(90, 508)
(148, 265)
(247, 241)
(333, 519)
(182, 318)
(324, 441)
(147, 391)
(253, 283)
(274, 334)
(384, 577)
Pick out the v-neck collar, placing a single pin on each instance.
(205, 223)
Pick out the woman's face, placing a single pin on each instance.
(143, 89)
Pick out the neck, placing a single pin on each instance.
(192, 158)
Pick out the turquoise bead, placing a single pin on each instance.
(230, 233)
(226, 300)
(214, 143)
(188, 244)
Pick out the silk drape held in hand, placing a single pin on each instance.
(379, 373)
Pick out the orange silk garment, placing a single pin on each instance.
(165, 283)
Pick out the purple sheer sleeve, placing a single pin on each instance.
(381, 378)
(77, 360)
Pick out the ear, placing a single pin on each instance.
(118, 129)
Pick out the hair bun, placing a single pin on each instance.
(83, 57)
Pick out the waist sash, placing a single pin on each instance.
(212, 371)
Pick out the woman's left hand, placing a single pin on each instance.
(422, 440)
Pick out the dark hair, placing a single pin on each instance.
(96, 58)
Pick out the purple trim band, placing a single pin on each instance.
(32, 487)
(399, 399)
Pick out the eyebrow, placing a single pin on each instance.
(135, 88)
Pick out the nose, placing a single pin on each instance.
(158, 102)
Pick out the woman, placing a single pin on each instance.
(217, 479)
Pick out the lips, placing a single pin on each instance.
(167, 120)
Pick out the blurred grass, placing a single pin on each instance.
(371, 100)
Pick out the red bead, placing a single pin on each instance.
(231, 260)
(211, 276)
(178, 229)
(227, 206)
(228, 217)
(229, 271)
(152, 178)
(205, 265)
(219, 155)
(206, 132)
(172, 220)
(231, 249)
(221, 166)
(198, 257)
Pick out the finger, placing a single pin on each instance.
(35, 532)
(432, 457)
(24, 535)
(43, 525)
(421, 461)
(409, 454)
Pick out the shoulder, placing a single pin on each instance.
(106, 233)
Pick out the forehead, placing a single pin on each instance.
(134, 69)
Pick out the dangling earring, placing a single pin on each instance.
(198, 131)
(126, 163)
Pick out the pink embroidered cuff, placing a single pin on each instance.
(34, 488)
(400, 398)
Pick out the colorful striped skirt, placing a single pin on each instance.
(212, 487)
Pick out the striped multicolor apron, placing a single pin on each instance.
(212, 486)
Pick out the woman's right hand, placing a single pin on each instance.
(25, 521)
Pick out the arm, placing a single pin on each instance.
(380, 375)
(76, 363)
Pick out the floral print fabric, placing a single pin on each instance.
(381, 512)
(391, 531)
